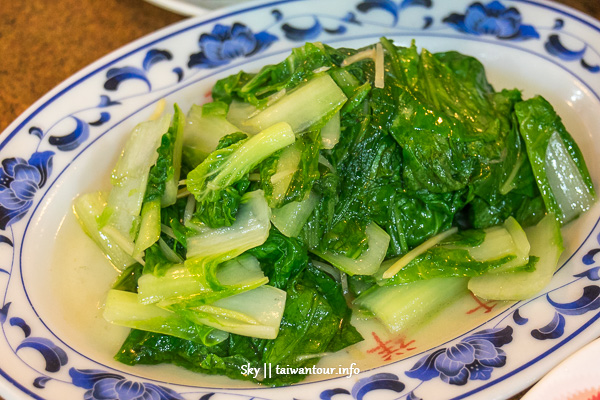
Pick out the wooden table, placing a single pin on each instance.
(43, 42)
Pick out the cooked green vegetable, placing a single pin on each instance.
(288, 176)
(163, 179)
(384, 178)
(123, 308)
(205, 126)
(369, 260)
(256, 313)
(465, 254)
(559, 168)
(179, 284)
(291, 218)
(319, 99)
(316, 320)
(546, 247)
(407, 306)
(221, 179)
(88, 208)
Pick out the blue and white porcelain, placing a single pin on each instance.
(53, 346)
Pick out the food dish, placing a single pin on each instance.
(158, 66)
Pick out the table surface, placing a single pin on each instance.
(44, 42)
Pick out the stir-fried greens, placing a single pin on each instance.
(382, 180)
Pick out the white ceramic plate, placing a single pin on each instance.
(193, 7)
(576, 378)
(55, 346)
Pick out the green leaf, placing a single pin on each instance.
(281, 258)
(440, 262)
(156, 261)
(168, 162)
(315, 320)
(219, 182)
(298, 67)
(289, 174)
(557, 162)
(128, 279)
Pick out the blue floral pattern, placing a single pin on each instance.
(115, 76)
(103, 385)
(492, 19)
(19, 182)
(226, 43)
(54, 356)
(473, 358)
(556, 48)
(395, 8)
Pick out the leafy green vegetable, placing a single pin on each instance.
(291, 218)
(369, 260)
(256, 313)
(444, 262)
(120, 218)
(546, 248)
(256, 88)
(409, 306)
(179, 285)
(405, 170)
(88, 208)
(163, 178)
(288, 176)
(157, 262)
(319, 99)
(281, 258)
(149, 230)
(326, 188)
(463, 254)
(128, 279)
(221, 210)
(122, 308)
(315, 321)
(220, 180)
(205, 127)
(250, 229)
(198, 276)
(566, 187)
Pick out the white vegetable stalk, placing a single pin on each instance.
(411, 305)
(570, 191)
(122, 308)
(88, 208)
(291, 218)
(250, 229)
(255, 313)
(130, 178)
(179, 283)
(318, 99)
(369, 261)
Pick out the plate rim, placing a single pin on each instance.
(148, 40)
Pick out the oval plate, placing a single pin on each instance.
(67, 141)
(192, 7)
